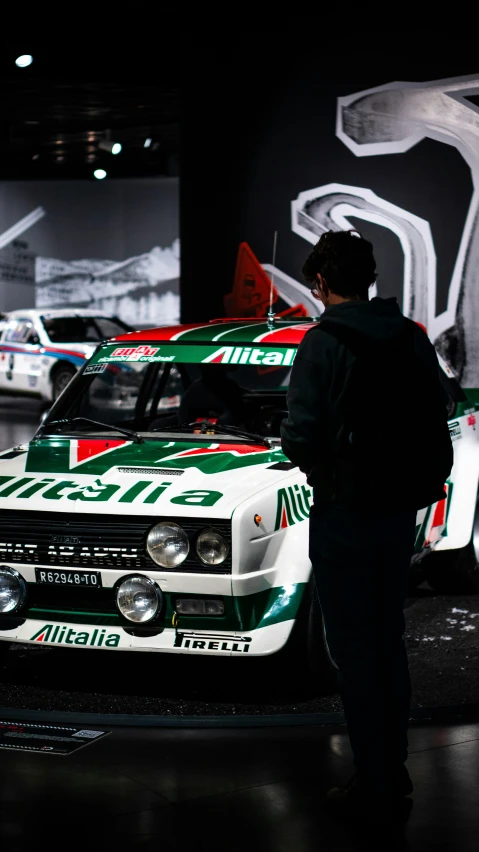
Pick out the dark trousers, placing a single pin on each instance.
(360, 563)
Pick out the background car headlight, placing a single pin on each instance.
(13, 589)
(212, 547)
(139, 599)
(168, 544)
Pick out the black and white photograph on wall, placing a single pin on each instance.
(111, 246)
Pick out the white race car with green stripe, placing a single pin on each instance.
(154, 509)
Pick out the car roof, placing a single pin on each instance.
(32, 313)
(243, 331)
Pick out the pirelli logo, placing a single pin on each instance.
(218, 642)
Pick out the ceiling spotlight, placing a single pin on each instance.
(35, 156)
(108, 145)
(24, 60)
(147, 143)
(99, 174)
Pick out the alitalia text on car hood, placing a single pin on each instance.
(85, 475)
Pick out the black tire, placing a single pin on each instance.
(306, 656)
(453, 571)
(61, 377)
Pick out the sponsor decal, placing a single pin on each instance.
(251, 355)
(293, 505)
(94, 368)
(99, 491)
(60, 634)
(136, 353)
(212, 642)
(471, 421)
(206, 353)
(455, 430)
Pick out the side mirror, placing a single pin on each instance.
(34, 339)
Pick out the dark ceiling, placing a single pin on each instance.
(54, 113)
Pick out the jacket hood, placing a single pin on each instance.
(379, 319)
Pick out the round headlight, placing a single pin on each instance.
(168, 544)
(138, 599)
(13, 590)
(212, 547)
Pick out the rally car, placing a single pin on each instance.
(144, 515)
(40, 351)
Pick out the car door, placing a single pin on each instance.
(14, 352)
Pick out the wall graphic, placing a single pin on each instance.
(391, 119)
(112, 247)
(142, 290)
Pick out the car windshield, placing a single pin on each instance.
(78, 329)
(162, 393)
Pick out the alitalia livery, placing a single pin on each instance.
(154, 510)
(40, 351)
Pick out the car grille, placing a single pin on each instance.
(65, 540)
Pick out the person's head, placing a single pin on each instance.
(340, 268)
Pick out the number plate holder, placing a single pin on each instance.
(69, 578)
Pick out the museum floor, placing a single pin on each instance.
(228, 790)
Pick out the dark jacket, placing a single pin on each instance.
(320, 380)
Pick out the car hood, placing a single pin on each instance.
(116, 476)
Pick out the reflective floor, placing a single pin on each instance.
(231, 790)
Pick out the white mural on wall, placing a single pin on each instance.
(391, 119)
(142, 290)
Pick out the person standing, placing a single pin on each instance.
(367, 424)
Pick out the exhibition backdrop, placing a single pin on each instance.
(308, 139)
(111, 246)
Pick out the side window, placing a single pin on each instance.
(32, 336)
(18, 330)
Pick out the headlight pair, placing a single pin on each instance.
(168, 545)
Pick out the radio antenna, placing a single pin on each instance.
(270, 312)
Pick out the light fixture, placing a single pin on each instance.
(212, 547)
(167, 544)
(138, 598)
(147, 142)
(24, 60)
(99, 174)
(109, 146)
(13, 590)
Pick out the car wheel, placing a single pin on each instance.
(61, 378)
(306, 656)
(453, 571)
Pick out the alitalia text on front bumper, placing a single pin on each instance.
(181, 640)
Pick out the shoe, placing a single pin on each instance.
(372, 804)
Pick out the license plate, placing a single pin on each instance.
(81, 579)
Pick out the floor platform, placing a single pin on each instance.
(229, 790)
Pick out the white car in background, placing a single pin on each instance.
(41, 350)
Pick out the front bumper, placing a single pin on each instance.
(261, 641)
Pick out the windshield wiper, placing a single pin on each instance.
(207, 426)
(68, 421)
